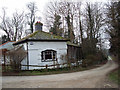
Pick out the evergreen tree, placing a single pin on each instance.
(56, 29)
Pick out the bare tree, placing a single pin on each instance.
(73, 20)
(13, 26)
(68, 10)
(16, 56)
(18, 22)
(79, 22)
(52, 10)
(94, 21)
(4, 25)
(31, 15)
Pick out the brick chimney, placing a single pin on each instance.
(38, 26)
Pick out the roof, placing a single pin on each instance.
(8, 45)
(41, 36)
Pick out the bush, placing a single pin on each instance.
(90, 59)
(17, 55)
(101, 57)
(93, 59)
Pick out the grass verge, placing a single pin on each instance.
(47, 71)
(115, 76)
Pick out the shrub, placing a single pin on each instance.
(93, 59)
(17, 55)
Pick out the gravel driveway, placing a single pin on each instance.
(93, 78)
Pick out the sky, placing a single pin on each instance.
(20, 5)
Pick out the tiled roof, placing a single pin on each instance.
(8, 45)
(41, 35)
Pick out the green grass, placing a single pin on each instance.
(45, 72)
(51, 71)
(115, 76)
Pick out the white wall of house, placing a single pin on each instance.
(35, 49)
(24, 61)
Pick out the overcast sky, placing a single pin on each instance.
(20, 5)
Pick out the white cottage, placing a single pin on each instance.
(43, 48)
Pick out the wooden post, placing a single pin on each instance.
(46, 67)
(53, 59)
(57, 63)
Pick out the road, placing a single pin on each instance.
(93, 78)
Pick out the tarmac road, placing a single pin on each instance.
(93, 78)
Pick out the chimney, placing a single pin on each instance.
(38, 26)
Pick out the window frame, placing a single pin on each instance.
(53, 54)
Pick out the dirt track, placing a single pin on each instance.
(93, 78)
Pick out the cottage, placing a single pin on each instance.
(43, 48)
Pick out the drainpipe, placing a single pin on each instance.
(27, 58)
(4, 61)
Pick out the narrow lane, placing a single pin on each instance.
(84, 79)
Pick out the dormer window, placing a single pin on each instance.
(48, 55)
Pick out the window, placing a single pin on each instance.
(31, 43)
(48, 55)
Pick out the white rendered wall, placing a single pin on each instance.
(24, 61)
(34, 52)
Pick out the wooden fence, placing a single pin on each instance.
(47, 66)
(8, 67)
